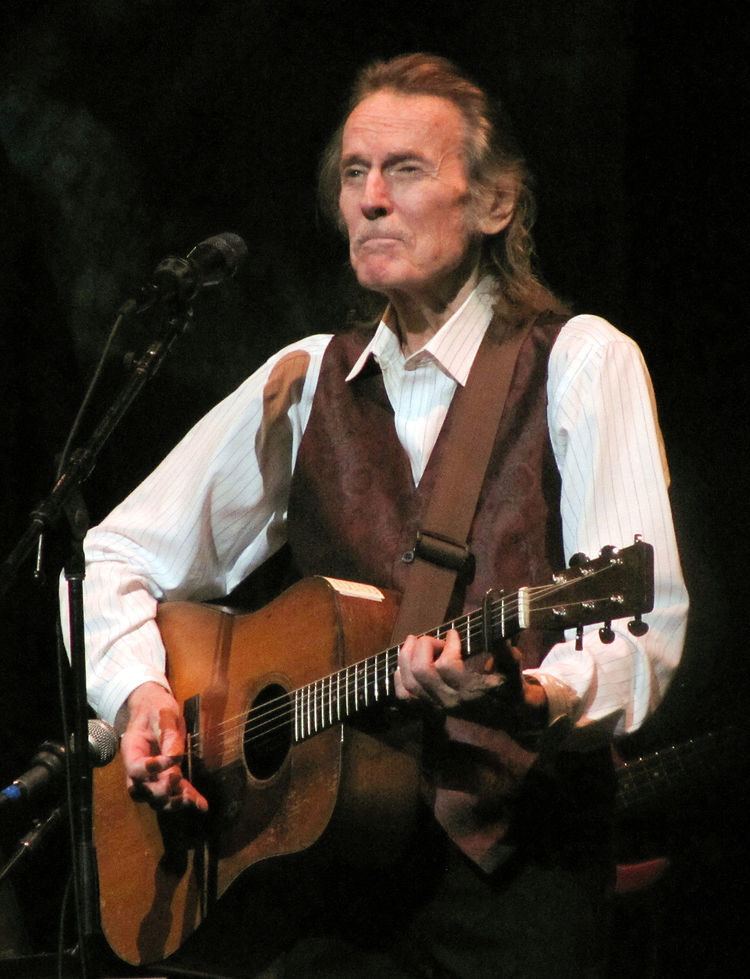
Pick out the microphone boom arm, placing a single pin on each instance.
(82, 460)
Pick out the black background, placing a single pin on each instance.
(131, 129)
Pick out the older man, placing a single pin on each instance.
(334, 447)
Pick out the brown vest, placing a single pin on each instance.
(354, 512)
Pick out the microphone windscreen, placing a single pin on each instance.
(103, 742)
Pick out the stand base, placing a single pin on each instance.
(45, 966)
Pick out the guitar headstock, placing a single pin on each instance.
(618, 583)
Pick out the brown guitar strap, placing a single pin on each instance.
(440, 551)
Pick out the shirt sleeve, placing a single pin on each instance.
(614, 484)
(210, 513)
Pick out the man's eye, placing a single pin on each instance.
(406, 169)
(352, 173)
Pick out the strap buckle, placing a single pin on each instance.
(442, 551)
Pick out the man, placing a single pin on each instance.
(334, 446)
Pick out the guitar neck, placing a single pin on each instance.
(361, 685)
(645, 781)
(618, 583)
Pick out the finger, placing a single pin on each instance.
(412, 650)
(171, 733)
(402, 678)
(428, 680)
(450, 663)
(192, 797)
(154, 789)
(143, 768)
(167, 792)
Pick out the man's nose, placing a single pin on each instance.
(376, 201)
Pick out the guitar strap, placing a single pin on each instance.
(440, 551)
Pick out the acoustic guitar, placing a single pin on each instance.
(267, 698)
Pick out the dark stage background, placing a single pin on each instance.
(130, 130)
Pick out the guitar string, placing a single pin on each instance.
(321, 695)
(319, 700)
(354, 681)
(499, 610)
(320, 707)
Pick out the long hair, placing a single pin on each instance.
(492, 155)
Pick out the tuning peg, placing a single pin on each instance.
(578, 559)
(637, 627)
(606, 634)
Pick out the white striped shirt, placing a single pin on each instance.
(215, 509)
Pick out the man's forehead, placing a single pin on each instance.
(408, 119)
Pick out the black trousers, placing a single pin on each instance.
(433, 915)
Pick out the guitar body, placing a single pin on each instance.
(159, 876)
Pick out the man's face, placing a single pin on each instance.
(405, 195)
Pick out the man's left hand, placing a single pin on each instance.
(434, 671)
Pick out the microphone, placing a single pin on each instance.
(179, 280)
(47, 769)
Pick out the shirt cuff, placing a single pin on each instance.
(562, 700)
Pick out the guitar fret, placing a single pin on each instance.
(365, 685)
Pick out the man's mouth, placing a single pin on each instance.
(376, 239)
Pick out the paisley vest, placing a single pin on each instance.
(354, 512)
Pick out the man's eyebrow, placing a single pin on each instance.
(352, 158)
(391, 160)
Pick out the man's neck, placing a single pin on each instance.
(416, 319)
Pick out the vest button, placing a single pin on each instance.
(407, 557)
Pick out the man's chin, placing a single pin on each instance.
(379, 279)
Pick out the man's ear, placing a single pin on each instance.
(495, 212)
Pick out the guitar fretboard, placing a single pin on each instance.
(340, 695)
(645, 780)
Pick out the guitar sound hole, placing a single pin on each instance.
(268, 731)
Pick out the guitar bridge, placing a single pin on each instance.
(192, 716)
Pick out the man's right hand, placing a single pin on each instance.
(152, 747)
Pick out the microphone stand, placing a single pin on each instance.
(32, 841)
(65, 498)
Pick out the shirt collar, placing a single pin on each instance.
(453, 348)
